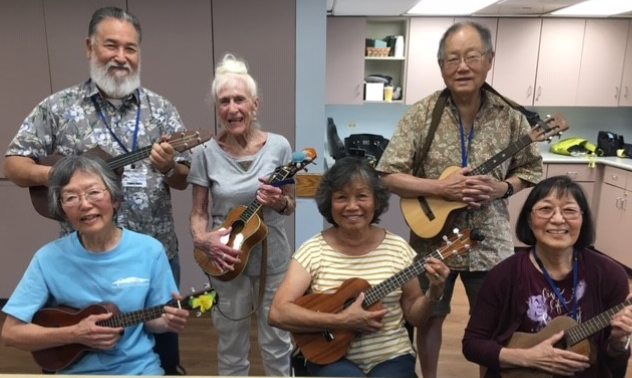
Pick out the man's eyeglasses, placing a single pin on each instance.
(471, 59)
(73, 199)
(546, 212)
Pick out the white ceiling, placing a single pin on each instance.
(506, 8)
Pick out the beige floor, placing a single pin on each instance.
(451, 360)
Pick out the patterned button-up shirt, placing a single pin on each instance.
(496, 126)
(68, 123)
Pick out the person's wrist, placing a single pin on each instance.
(170, 172)
(432, 298)
(620, 347)
(284, 208)
(509, 191)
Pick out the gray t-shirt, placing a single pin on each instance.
(232, 185)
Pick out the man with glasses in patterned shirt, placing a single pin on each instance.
(475, 124)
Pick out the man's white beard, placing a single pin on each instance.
(118, 85)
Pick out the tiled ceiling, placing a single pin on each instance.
(507, 8)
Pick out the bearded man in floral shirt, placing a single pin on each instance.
(113, 112)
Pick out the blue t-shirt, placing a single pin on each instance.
(134, 275)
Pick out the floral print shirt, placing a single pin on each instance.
(73, 121)
(496, 127)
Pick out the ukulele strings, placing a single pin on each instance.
(145, 151)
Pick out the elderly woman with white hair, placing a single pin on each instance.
(234, 169)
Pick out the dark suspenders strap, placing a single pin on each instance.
(532, 117)
(434, 123)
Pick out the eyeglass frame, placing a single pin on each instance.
(86, 194)
(476, 60)
(557, 209)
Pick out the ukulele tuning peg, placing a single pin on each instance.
(455, 231)
(467, 246)
(192, 289)
(446, 240)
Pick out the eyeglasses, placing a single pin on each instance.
(472, 58)
(93, 195)
(547, 212)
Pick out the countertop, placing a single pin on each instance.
(549, 157)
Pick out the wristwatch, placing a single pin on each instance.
(510, 190)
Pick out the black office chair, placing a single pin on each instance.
(334, 143)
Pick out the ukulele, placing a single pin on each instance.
(327, 347)
(180, 142)
(247, 228)
(63, 356)
(430, 216)
(575, 340)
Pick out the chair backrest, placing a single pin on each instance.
(334, 144)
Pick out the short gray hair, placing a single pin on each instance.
(116, 13)
(65, 168)
(483, 32)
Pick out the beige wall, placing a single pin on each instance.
(42, 50)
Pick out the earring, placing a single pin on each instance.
(254, 116)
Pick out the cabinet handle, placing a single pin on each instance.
(616, 92)
(624, 204)
(614, 177)
(529, 91)
(573, 174)
(358, 90)
(537, 96)
(625, 92)
(618, 203)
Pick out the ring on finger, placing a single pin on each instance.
(437, 276)
(224, 256)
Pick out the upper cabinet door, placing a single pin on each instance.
(602, 62)
(345, 59)
(492, 24)
(516, 60)
(559, 62)
(424, 76)
(625, 94)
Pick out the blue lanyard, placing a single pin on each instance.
(465, 151)
(556, 289)
(135, 142)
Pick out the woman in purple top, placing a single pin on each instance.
(558, 275)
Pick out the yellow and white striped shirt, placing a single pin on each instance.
(330, 268)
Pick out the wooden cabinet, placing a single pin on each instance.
(625, 89)
(424, 76)
(345, 60)
(614, 229)
(515, 65)
(559, 62)
(602, 59)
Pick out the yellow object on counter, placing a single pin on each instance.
(592, 160)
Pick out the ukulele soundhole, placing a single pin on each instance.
(236, 237)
